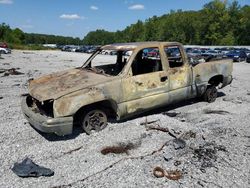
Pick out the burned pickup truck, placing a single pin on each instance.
(120, 85)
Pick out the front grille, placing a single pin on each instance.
(43, 108)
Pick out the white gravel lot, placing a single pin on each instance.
(87, 167)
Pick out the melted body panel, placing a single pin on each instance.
(74, 89)
(58, 84)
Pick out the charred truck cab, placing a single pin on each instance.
(120, 80)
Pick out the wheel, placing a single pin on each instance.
(94, 119)
(210, 94)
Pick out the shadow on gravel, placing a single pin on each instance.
(77, 130)
(169, 108)
(53, 137)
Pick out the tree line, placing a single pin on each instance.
(18, 37)
(217, 23)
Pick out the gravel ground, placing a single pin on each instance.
(212, 149)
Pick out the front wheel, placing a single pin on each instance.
(211, 94)
(95, 119)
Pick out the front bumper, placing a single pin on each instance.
(60, 126)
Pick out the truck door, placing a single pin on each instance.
(147, 85)
(180, 74)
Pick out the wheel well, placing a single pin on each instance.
(216, 80)
(109, 107)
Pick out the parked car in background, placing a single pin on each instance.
(237, 56)
(210, 54)
(5, 50)
(153, 53)
(194, 53)
(248, 58)
(3, 45)
(82, 49)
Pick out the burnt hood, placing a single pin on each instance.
(58, 84)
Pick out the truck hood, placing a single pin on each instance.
(58, 84)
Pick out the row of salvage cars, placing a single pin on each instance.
(236, 54)
(4, 49)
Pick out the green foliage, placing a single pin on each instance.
(20, 40)
(218, 23)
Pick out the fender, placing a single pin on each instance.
(68, 105)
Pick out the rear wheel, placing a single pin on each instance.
(211, 94)
(93, 119)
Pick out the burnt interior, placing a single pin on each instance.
(43, 108)
(112, 69)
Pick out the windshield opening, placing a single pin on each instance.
(109, 62)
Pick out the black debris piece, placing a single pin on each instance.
(24, 94)
(12, 71)
(171, 114)
(179, 143)
(221, 112)
(207, 154)
(1, 97)
(27, 168)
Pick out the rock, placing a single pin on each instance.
(167, 156)
(179, 143)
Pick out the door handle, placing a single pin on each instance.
(164, 78)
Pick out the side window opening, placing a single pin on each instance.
(146, 61)
(174, 56)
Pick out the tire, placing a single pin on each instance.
(210, 94)
(93, 119)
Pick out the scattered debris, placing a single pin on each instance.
(179, 143)
(12, 71)
(27, 168)
(24, 94)
(158, 172)
(73, 150)
(167, 156)
(158, 128)
(16, 85)
(177, 163)
(149, 122)
(119, 149)
(183, 120)
(176, 131)
(221, 112)
(172, 174)
(171, 114)
(28, 53)
(206, 154)
(188, 135)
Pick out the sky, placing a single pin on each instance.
(76, 18)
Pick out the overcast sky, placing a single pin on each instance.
(77, 17)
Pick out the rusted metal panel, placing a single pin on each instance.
(75, 88)
(69, 104)
(204, 71)
(58, 84)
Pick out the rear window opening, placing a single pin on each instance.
(146, 61)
